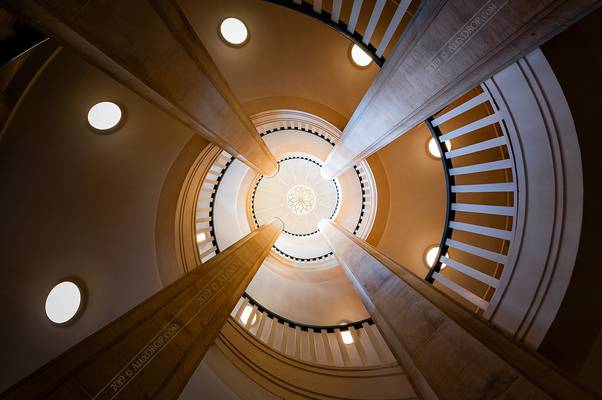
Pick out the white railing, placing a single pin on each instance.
(369, 200)
(276, 120)
(481, 199)
(356, 344)
(205, 234)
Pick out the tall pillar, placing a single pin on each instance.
(149, 46)
(448, 351)
(449, 48)
(152, 350)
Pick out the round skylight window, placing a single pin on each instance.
(104, 116)
(233, 31)
(360, 57)
(301, 199)
(433, 149)
(63, 302)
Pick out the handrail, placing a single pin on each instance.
(293, 157)
(476, 231)
(352, 345)
(272, 122)
(450, 198)
(306, 327)
(369, 199)
(208, 246)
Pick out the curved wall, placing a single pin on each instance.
(550, 201)
(294, 379)
(165, 228)
(218, 378)
(581, 83)
(230, 205)
(546, 226)
(322, 296)
(290, 59)
(76, 203)
(416, 197)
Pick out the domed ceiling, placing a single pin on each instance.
(301, 274)
(297, 195)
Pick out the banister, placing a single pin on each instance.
(305, 327)
(450, 197)
(483, 226)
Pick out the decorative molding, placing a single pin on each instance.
(277, 120)
(215, 188)
(550, 179)
(187, 254)
(290, 378)
(306, 327)
(369, 200)
(293, 157)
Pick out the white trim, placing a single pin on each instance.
(548, 223)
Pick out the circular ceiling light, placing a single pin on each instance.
(301, 199)
(360, 57)
(63, 302)
(233, 31)
(433, 149)
(430, 257)
(104, 116)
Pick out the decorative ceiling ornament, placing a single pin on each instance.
(301, 199)
(298, 195)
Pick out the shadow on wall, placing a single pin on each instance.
(574, 340)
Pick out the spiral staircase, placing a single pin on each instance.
(336, 306)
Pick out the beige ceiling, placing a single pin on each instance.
(290, 61)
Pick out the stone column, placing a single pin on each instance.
(152, 350)
(150, 47)
(448, 351)
(449, 48)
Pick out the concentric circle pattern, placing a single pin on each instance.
(301, 199)
(297, 195)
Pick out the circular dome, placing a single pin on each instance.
(297, 195)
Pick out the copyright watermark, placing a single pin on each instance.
(463, 35)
